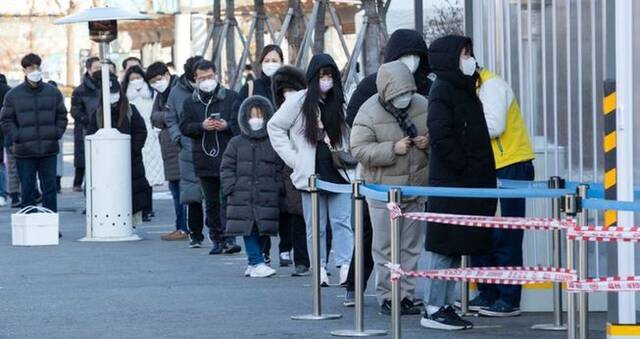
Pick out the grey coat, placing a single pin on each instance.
(190, 190)
(170, 150)
(250, 175)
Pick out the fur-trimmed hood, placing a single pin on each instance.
(244, 113)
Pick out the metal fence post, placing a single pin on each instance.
(557, 325)
(315, 257)
(464, 288)
(358, 218)
(583, 297)
(571, 209)
(395, 197)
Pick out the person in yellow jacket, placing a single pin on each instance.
(513, 156)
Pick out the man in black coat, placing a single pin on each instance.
(84, 103)
(206, 119)
(408, 46)
(34, 118)
(4, 88)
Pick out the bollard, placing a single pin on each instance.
(570, 209)
(315, 257)
(358, 215)
(464, 288)
(583, 297)
(395, 197)
(556, 243)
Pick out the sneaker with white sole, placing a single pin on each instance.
(444, 319)
(344, 274)
(500, 309)
(262, 271)
(324, 277)
(247, 272)
(285, 259)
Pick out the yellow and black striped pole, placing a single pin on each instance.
(610, 144)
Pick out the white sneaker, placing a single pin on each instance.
(247, 272)
(344, 273)
(3, 201)
(262, 271)
(324, 277)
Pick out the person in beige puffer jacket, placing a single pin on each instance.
(390, 141)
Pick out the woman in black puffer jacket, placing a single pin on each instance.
(461, 156)
(251, 183)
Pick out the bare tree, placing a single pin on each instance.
(320, 29)
(371, 45)
(72, 56)
(260, 23)
(296, 30)
(448, 19)
(231, 40)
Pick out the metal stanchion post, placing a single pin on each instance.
(395, 197)
(583, 297)
(556, 241)
(464, 288)
(315, 264)
(358, 215)
(570, 209)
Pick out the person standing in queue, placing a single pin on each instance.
(285, 82)
(461, 156)
(407, 46)
(390, 140)
(305, 131)
(271, 59)
(206, 120)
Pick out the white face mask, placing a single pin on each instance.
(114, 97)
(136, 84)
(402, 101)
(326, 85)
(412, 61)
(468, 66)
(34, 76)
(132, 93)
(269, 68)
(287, 94)
(161, 85)
(256, 123)
(208, 86)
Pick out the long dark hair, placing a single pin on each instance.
(123, 110)
(333, 117)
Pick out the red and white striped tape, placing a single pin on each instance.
(483, 221)
(601, 234)
(491, 275)
(606, 284)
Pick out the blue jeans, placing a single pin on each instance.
(45, 168)
(440, 292)
(181, 222)
(507, 244)
(3, 179)
(253, 247)
(336, 209)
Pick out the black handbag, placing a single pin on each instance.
(343, 159)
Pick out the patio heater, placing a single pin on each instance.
(108, 152)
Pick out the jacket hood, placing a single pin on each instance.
(444, 53)
(286, 77)
(409, 41)
(318, 62)
(244, 113)
(89, 82)
(185, 84)
(394, 79)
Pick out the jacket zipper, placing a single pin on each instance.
(500, 146)
(254, 178)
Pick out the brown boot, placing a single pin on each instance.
(175, 235)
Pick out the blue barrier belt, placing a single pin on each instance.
(507, 183)
(374, 194)
(601, 204)
(459, 192)
(334, 188)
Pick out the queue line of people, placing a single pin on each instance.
(240, 162)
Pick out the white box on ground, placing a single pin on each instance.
(34, 226)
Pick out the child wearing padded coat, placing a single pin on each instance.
(252, 184)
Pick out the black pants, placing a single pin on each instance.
(78, 177)
(195, 220)
(367, 239)
(215, 207)
(45, 169)
(293, 234)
